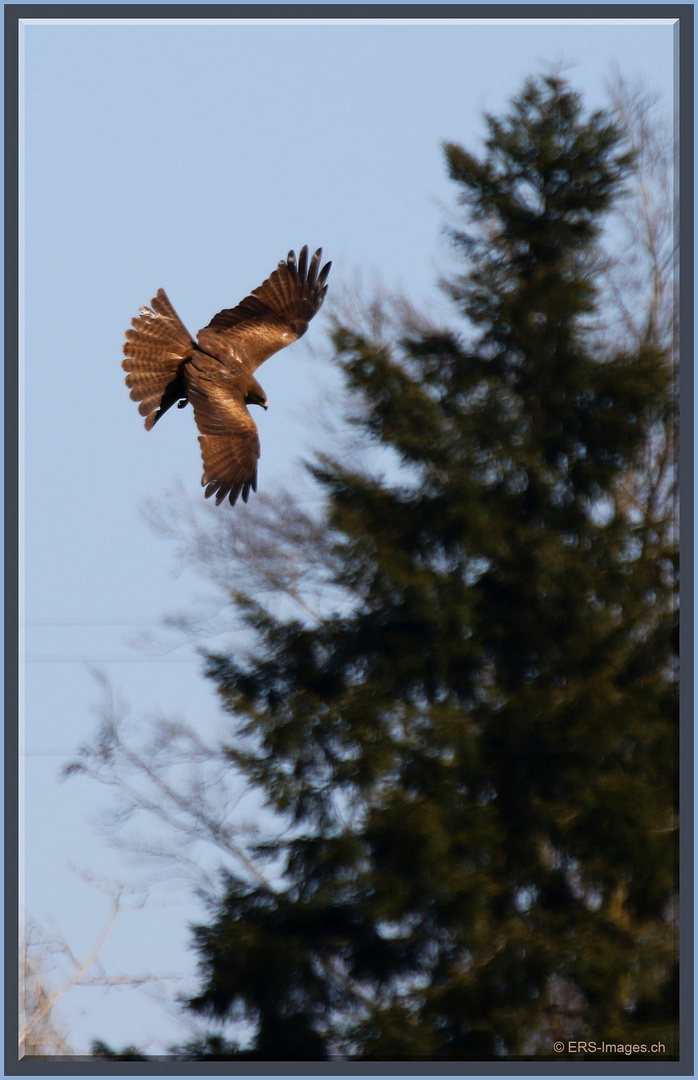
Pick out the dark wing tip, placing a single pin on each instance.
(312, 283)
(312, 269)
(222, 491)
(322, 278)
(307, 271)
(232, 493)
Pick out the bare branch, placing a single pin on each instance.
(39, 1033)
(639, 281)
(167, 773)
(278, 550)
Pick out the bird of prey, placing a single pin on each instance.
(215, 373)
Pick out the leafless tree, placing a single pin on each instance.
(167, 774)
(41, 1033)
(49, 969)
(640, 284)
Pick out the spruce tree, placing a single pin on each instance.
(475, 757)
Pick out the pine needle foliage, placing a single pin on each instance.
(476, 759)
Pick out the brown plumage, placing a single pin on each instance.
(216, 373)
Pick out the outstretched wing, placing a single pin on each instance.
(275, 315)
(229, 440)
(155, 349)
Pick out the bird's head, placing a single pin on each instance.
(256, 396)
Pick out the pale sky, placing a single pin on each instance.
(192, 157)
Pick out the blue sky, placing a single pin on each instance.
(192, 157)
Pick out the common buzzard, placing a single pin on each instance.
(216, 373)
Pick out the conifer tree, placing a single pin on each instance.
(475, 756)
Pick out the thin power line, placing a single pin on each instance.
(110, 660)
(47, 753)
(92, 622)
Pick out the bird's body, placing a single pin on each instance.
(215, 373)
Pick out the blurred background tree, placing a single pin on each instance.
(40, 1033)
(461, 705)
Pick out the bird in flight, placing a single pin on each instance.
(215, 373)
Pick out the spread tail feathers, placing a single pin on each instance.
(156, 349)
